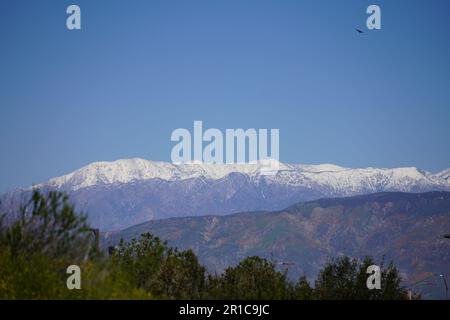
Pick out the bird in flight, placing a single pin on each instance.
(359, 30)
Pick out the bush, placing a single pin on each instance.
(253, 278)
(345, 279)
(47, 224)
(161, 270)
(38, 244)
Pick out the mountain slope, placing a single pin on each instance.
(405, 227)
(127, 192)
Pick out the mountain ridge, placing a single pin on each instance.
(123, 193)
(137, 169)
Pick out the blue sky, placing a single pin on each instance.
(140, 69)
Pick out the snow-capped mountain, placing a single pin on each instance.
(131, 170)
(338, 179)
(445, 175)
(126, 192)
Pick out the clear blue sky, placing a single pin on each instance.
(140, 69)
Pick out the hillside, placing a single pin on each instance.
(405, 227)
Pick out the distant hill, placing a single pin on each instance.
(405, 227)
(126, 192)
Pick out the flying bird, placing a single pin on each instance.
(359, 30)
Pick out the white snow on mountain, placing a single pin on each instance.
(129, 170)
(445, 175)
(337, 179)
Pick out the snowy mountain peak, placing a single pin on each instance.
(444, 174)
(326, 167)
(343, 180)
(136, 169)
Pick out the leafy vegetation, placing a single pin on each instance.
(346, 278)
(47, 235)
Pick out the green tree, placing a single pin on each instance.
(47, 224)
(345, 279)
(253, 278)
(161, 270)
(303, 290)
(39, 242)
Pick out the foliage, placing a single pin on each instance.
(156, 268)
(41, 241)
(253, 278)
(303, 290)
(345, 279)
(47, 224)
